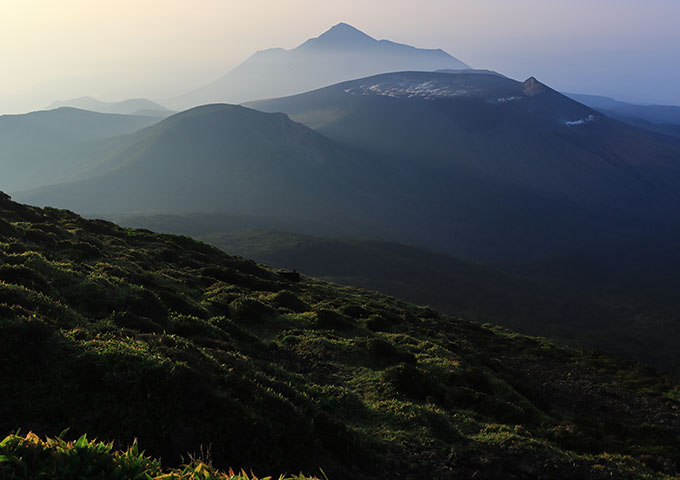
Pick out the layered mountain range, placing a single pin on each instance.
(473, 164)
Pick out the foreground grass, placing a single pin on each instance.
(30, 457)
(127, 334)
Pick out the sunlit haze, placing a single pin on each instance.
(112, 50)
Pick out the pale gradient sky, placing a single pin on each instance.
(112, 50)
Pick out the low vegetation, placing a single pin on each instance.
(124, 334)
(624, 302)
(56, 459)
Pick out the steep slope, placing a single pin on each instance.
(132, 106)
(41, 147)
(341, 53)
(492, 158)
(132, 334)
(225, 158)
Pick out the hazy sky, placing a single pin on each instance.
(59, 49)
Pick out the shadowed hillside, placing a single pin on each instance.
(502, 169)
(226, 158)
(132, 334)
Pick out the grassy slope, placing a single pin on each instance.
(127, 334)
(626, 306)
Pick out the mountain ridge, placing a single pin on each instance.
(341, 53)
(132, 106)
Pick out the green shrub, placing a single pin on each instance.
(6, 228)
(378, 323)
(411, 381)
(22, 275)
(188, 326)
(384, 353)
(476, 379)
(355, 311)
(289, 300)
(249, 310)
(135, 322)
(332, 320)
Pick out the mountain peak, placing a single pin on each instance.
(341, 35)
(533, 86)
(344, 27)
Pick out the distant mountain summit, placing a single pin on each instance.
(340, 36)
(133, 106)
(342, 53)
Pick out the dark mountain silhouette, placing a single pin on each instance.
(42, 147)
(342, 53)
(133, 106)
(500, 168)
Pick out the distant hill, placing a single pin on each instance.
(226, 158)
(663, 119)
(133, 106)
(127, 335)
(341, 53)
(43, 147)
(502, 169)
(660, 114)
(470, 71)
